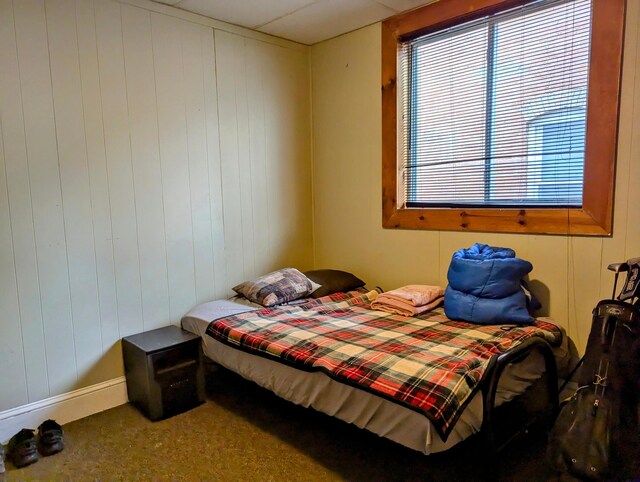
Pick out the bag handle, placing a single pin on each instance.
(608, 330)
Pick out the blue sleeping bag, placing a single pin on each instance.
(485, 286)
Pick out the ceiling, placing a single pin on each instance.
(304, 21)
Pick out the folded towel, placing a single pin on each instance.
(415, 295)
(398, 307)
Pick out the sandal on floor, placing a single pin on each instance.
(22, 449)
(50, 438)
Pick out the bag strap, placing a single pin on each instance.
(600, 382)
(600, 378)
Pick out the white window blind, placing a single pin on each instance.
(494, 110)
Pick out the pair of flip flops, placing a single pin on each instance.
(23, 449)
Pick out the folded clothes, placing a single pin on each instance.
(409, 300)
(404, 309)
(415, 295)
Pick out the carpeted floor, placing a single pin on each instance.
(243, 433)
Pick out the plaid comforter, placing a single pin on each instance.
(428, 363)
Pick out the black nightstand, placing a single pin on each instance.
(164, 371)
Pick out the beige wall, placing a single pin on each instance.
(347, 191)
(149, 160)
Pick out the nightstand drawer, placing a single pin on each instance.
(179, 392)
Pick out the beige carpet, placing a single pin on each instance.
(243, 432)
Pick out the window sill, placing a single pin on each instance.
(525, 221)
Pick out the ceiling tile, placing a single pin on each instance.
(167, 2)
(402, 5)
(325, 19)
(248, 13)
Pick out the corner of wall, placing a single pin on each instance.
(311, 158)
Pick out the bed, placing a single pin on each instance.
(274, 365)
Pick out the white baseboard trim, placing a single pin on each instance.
(64, 408)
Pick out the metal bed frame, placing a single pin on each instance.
(496, 367)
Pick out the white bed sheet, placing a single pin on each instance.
(350, 404)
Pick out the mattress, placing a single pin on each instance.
(350, 404)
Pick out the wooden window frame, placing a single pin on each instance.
(595, 217)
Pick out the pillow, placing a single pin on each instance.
(333, 281)
(277, 287)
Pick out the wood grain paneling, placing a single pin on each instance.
(174, 160)
(239, 72)
(225, 45)
(99, 183)
(145, 155)
(21, 210)
(74, 179)
(125, 198)
(10, 334)
(255, 55)
(46, 194)
(193, 67)
(213, 163)
(115, 116)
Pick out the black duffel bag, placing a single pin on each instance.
(579, 443)
(596, 433)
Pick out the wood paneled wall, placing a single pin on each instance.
(570, 272)
(147, 163)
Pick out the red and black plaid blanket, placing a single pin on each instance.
(428, 363)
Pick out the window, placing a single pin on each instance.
(468, 94)
(492, 119)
